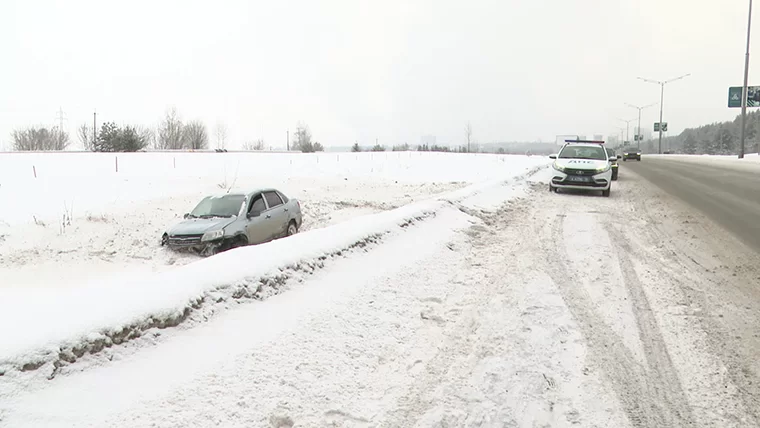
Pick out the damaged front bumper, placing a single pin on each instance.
(192, 243)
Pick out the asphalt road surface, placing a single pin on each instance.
(730, 197)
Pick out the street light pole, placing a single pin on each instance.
(627, 123)
(744, 88)
(662, 84)
(638, 133)
(621, 135)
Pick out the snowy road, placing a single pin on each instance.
(725, 191)
(554, 310)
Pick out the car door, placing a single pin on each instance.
(258, 226)
(277, 214)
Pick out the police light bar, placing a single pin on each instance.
(585, 141)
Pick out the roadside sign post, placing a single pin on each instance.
(745, 90)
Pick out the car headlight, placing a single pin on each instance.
(638, 154)
(603, 169)
(558, 167)
(214, 234)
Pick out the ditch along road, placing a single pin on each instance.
(555, 310)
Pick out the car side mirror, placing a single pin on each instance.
(613, 158)
(253, 214)
(552, 156)
(187, 215)
(620, 156)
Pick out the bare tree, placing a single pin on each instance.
(84, 132)
(170, 132)
(195, 135)
(40, 138)
(468, 135)
(221, 135)
(147, 135)
(302, 137)
(254, 145)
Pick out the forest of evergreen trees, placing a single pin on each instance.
(720, 138)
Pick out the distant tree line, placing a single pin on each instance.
(172, 133)
(719, 138)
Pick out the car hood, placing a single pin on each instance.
(197, 226)
(589, 164)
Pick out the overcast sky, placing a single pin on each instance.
(518, 70)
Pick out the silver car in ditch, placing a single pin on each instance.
(219, 223)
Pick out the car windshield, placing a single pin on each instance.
(218, 206)
(631, 150)
(582, 152)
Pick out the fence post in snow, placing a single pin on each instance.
(175, 162)
(34, 170)
(116, 158)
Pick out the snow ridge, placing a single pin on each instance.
(200, 309)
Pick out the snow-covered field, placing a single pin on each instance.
(80, 219)
(79, 279)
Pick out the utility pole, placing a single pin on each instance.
(744, 89)
(287, 139)
(638, 132)
(662, 84)
(60, 117)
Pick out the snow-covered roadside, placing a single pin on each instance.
(59, 326)
(433, 328)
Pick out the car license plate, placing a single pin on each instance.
(579, 179)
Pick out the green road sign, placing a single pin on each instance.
(735, 96)
(656, 126)
(664, 126)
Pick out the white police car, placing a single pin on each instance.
(582, 165)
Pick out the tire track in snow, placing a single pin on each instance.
(512, 356)
(684, 277)
(636, 387)
(668, 389)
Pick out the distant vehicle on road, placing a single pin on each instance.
(614, 163)
(631, 153)
(582, 165)
(220, 223)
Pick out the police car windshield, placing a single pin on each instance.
(583, 152)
